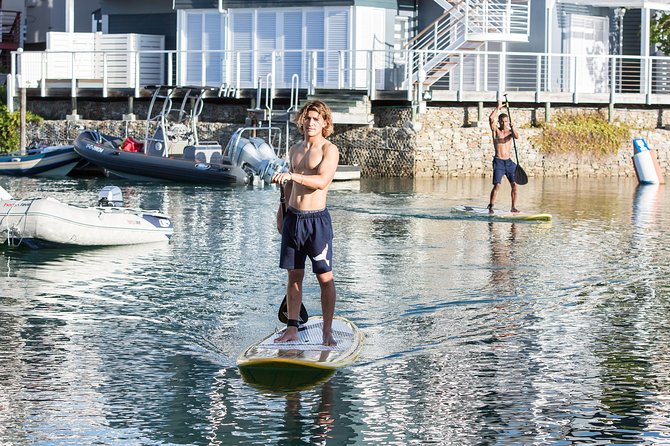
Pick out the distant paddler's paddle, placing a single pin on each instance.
(520, 176)
(283, 307)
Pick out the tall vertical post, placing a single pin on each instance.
(69, 16)
(22, 130)
(620, 13)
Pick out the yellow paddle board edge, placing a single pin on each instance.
(534, 217)
(483, 214)
(349, 356)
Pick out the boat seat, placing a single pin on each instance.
(216, 158)
(189, 153)
(200, 157)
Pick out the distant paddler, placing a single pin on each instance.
(503, 134)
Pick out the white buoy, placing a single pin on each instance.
(645, 162)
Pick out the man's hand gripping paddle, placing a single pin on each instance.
(283, 307)
(520, 176)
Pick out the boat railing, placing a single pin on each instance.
(174, 124)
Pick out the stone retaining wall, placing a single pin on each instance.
(445, 149)
(442, 142)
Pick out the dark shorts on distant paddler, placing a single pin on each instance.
(503, 168)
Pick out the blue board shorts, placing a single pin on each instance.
(503, 168)
(307, 234)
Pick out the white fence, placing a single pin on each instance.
(479, 75)
(94, 60)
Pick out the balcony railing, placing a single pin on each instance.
(478, 75)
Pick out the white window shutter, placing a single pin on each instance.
(292, 57)
(266, 32)
(337, 30)
(214, 44)
(193, 45)
(241, 26)
(315, 40)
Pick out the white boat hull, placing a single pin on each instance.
(347, 172)
(42, 222)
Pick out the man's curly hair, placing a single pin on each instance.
(322, 109)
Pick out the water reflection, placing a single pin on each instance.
(502, 238)
(476, 332)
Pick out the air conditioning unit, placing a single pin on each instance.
(31, 3)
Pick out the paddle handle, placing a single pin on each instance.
(282, 198)
(509, 115)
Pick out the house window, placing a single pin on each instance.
(204, 62)
(286, 39)
(260, 40)
(588, 37)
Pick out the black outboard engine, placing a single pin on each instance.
(110, 196)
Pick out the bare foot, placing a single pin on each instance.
(514, 210)
(328, 339)
(490, 208)
(290, 334)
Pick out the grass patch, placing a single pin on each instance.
(10, 127)
(584, 133)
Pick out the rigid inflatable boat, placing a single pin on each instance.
(172, 150)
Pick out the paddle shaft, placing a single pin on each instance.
(509, 115)
(282, 200)
(283, 307)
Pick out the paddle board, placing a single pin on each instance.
(303, 362)
(500, 215)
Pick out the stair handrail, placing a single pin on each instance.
(431, 26)
(293, 105)
(269, 102)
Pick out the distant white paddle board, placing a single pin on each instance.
(500, 214)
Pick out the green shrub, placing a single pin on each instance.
(584, 133)
(10, 128)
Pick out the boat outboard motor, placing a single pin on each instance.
(270, 167)
(257, 155)
(110, 196)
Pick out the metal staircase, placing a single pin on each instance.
(464, 26)
(10, 36)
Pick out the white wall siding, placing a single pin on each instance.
(369, 31)
(122, 65)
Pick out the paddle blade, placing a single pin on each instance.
(283, 313)
(520, 176)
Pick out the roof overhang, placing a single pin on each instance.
(629, 4)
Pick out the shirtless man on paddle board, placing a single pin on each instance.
(306, 228)
(502, 163)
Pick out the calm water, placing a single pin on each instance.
(477, 332)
